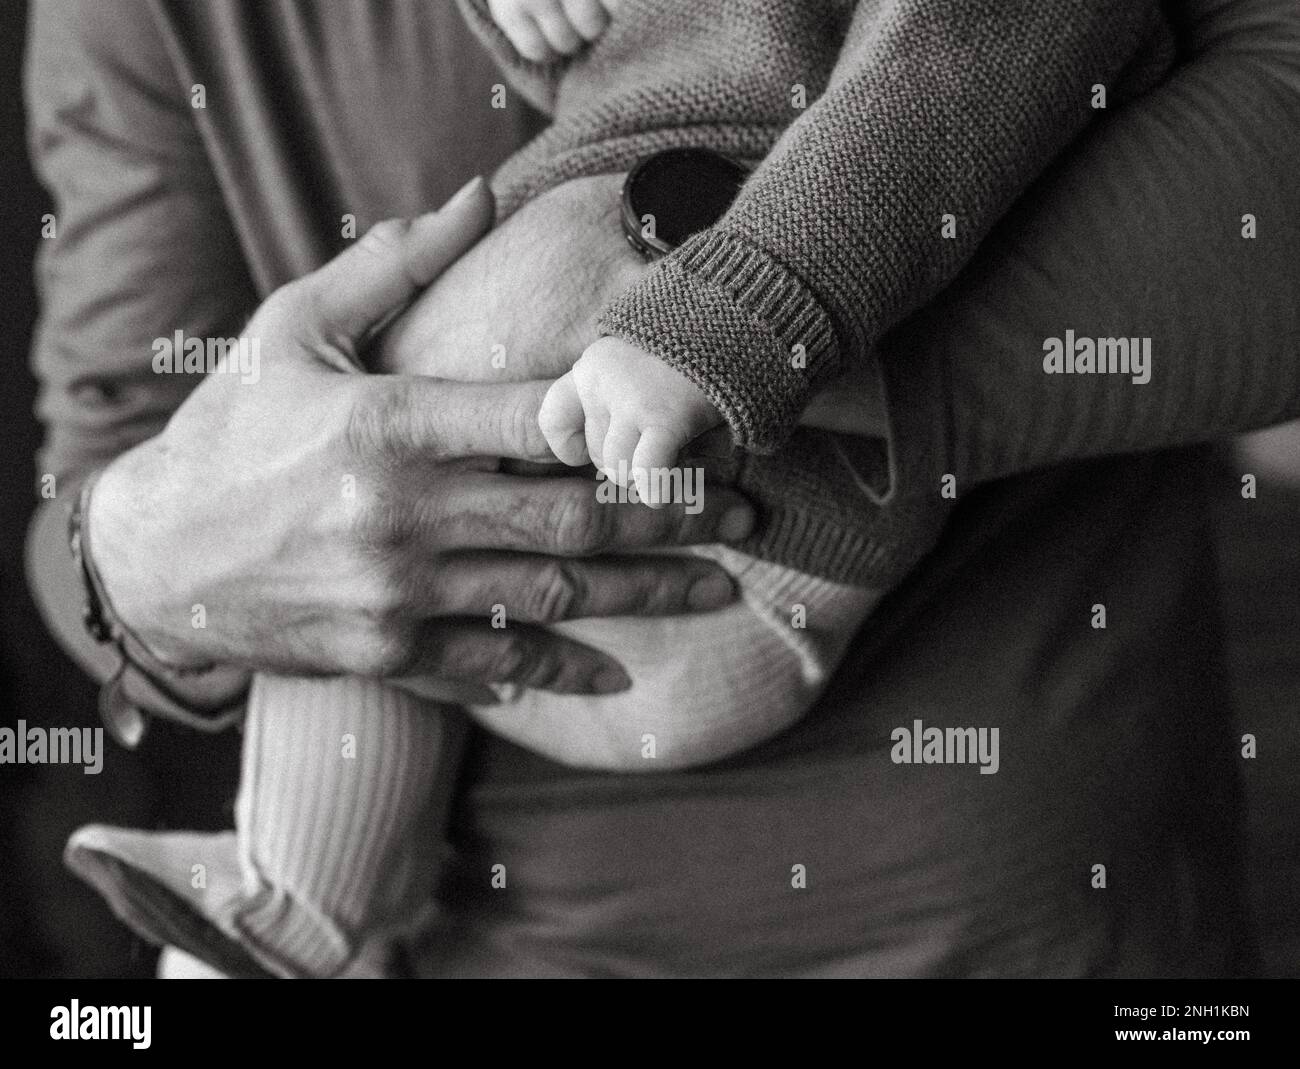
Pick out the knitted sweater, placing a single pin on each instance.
(893, 134)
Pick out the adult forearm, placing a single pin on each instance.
(1175, 221)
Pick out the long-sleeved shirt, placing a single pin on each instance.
(875, 123)
(892, 137)
(1115, 745)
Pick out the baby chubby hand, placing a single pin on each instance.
(624, 411)
(542, 30)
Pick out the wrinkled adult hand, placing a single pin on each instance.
(325, 521)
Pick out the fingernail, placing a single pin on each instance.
(464, 193)
(711, 592)
(737, 523)
(610, 681)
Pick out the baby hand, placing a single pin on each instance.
(624, 411)
(541, 30)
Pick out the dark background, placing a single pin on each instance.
(51, 926)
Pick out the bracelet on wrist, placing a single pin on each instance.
(141, 685)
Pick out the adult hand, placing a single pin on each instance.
(319, 521)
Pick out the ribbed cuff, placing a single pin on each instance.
(740, 326)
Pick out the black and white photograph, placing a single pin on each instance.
(652, 489)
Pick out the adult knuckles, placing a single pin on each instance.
(384, 525)
(382, 422)
(384, 598)
(580, 526)
(379, 520)
(365, 435)
(383, 650)
(555, 593)
(530, 662)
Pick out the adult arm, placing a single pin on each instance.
(237, 499)
(1138, 232)
(929, 111)
(142, 246)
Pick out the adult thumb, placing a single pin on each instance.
(392, 263)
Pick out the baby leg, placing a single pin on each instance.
(340, 816)
(339, 829)
(704, 687)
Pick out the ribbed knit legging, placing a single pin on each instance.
(342, 806)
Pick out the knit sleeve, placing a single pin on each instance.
(936, 116)
(1176, 221)
(665, 74)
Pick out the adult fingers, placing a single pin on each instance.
(545, 590)
(574, 517)
(531, 657)
(426, 418)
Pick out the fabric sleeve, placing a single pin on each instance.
(934, 110)
(1177, 220)
(142, 244)
(666, 74)
(140, 247)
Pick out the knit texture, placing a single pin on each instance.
(916, 111)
